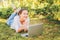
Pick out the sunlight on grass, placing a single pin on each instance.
(2, 20)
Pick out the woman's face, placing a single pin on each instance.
(24, 14)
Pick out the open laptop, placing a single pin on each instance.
(34, 30)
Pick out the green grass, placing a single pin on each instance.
(50, 31)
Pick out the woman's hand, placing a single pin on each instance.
(25, 29)
(25, 26)
(22, 28)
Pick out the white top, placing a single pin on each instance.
(16, 24)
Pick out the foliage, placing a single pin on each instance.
(5, 12)
(43, 7)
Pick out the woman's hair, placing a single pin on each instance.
(20, 11)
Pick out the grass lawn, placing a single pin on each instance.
(51, 31)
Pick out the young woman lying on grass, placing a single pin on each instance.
(19, 21)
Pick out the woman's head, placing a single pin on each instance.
(23, 13)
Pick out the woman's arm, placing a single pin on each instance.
(16, 24)
(26, 25)
(20, 29)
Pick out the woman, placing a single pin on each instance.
(21, 21)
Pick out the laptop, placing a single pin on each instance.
(34, 30)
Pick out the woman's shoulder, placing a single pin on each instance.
(16, 17)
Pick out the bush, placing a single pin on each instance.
(5, 12)
(48, 11)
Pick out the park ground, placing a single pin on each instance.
(51, 31)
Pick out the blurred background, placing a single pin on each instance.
(40, 11)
